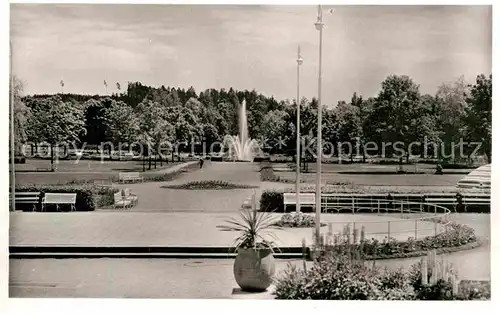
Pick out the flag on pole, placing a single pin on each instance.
(118, 86)
(105, 83)
(62, 83)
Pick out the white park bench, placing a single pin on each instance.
(130, 177)
(476, 200)
(128, 195)
(305, 199)
(59, 199)
(32, 198)
(120, 201)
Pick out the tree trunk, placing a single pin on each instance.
(52, 157)
(363, 153)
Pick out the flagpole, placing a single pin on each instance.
(319, 153)
(297, 180)
(12, 142)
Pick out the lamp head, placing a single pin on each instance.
(319, 25)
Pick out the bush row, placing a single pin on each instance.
(88, 197)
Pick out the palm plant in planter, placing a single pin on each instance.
(254, 265)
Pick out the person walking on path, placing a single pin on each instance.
(201, 162)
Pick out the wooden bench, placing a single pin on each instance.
(481, 200)
(128, 195)
(59, 199)
(32, 198)
(130, 177)
(305, 199)
(120, 201)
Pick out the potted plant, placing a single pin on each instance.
(254, 265)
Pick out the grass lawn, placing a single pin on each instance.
(367, 167)
(378, 179)
(83, 170)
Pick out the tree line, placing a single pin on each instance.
(144, 114)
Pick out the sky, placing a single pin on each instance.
(246, 47)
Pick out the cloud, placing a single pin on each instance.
(247, 47)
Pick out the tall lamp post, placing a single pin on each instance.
(12, 142)
(319, 27)
(297, 184)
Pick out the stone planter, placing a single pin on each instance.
(254, 269)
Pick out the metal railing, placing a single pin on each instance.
(402, 219)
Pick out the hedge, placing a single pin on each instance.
(88, 197)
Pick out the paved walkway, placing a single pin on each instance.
(195, 229)
(184, 278)
(125, 278)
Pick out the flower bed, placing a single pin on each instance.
(209, 184)
(297, 220)
(342, 274)
(456, 237)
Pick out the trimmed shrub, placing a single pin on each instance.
(271, 200)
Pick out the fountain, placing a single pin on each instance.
(241, 147)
